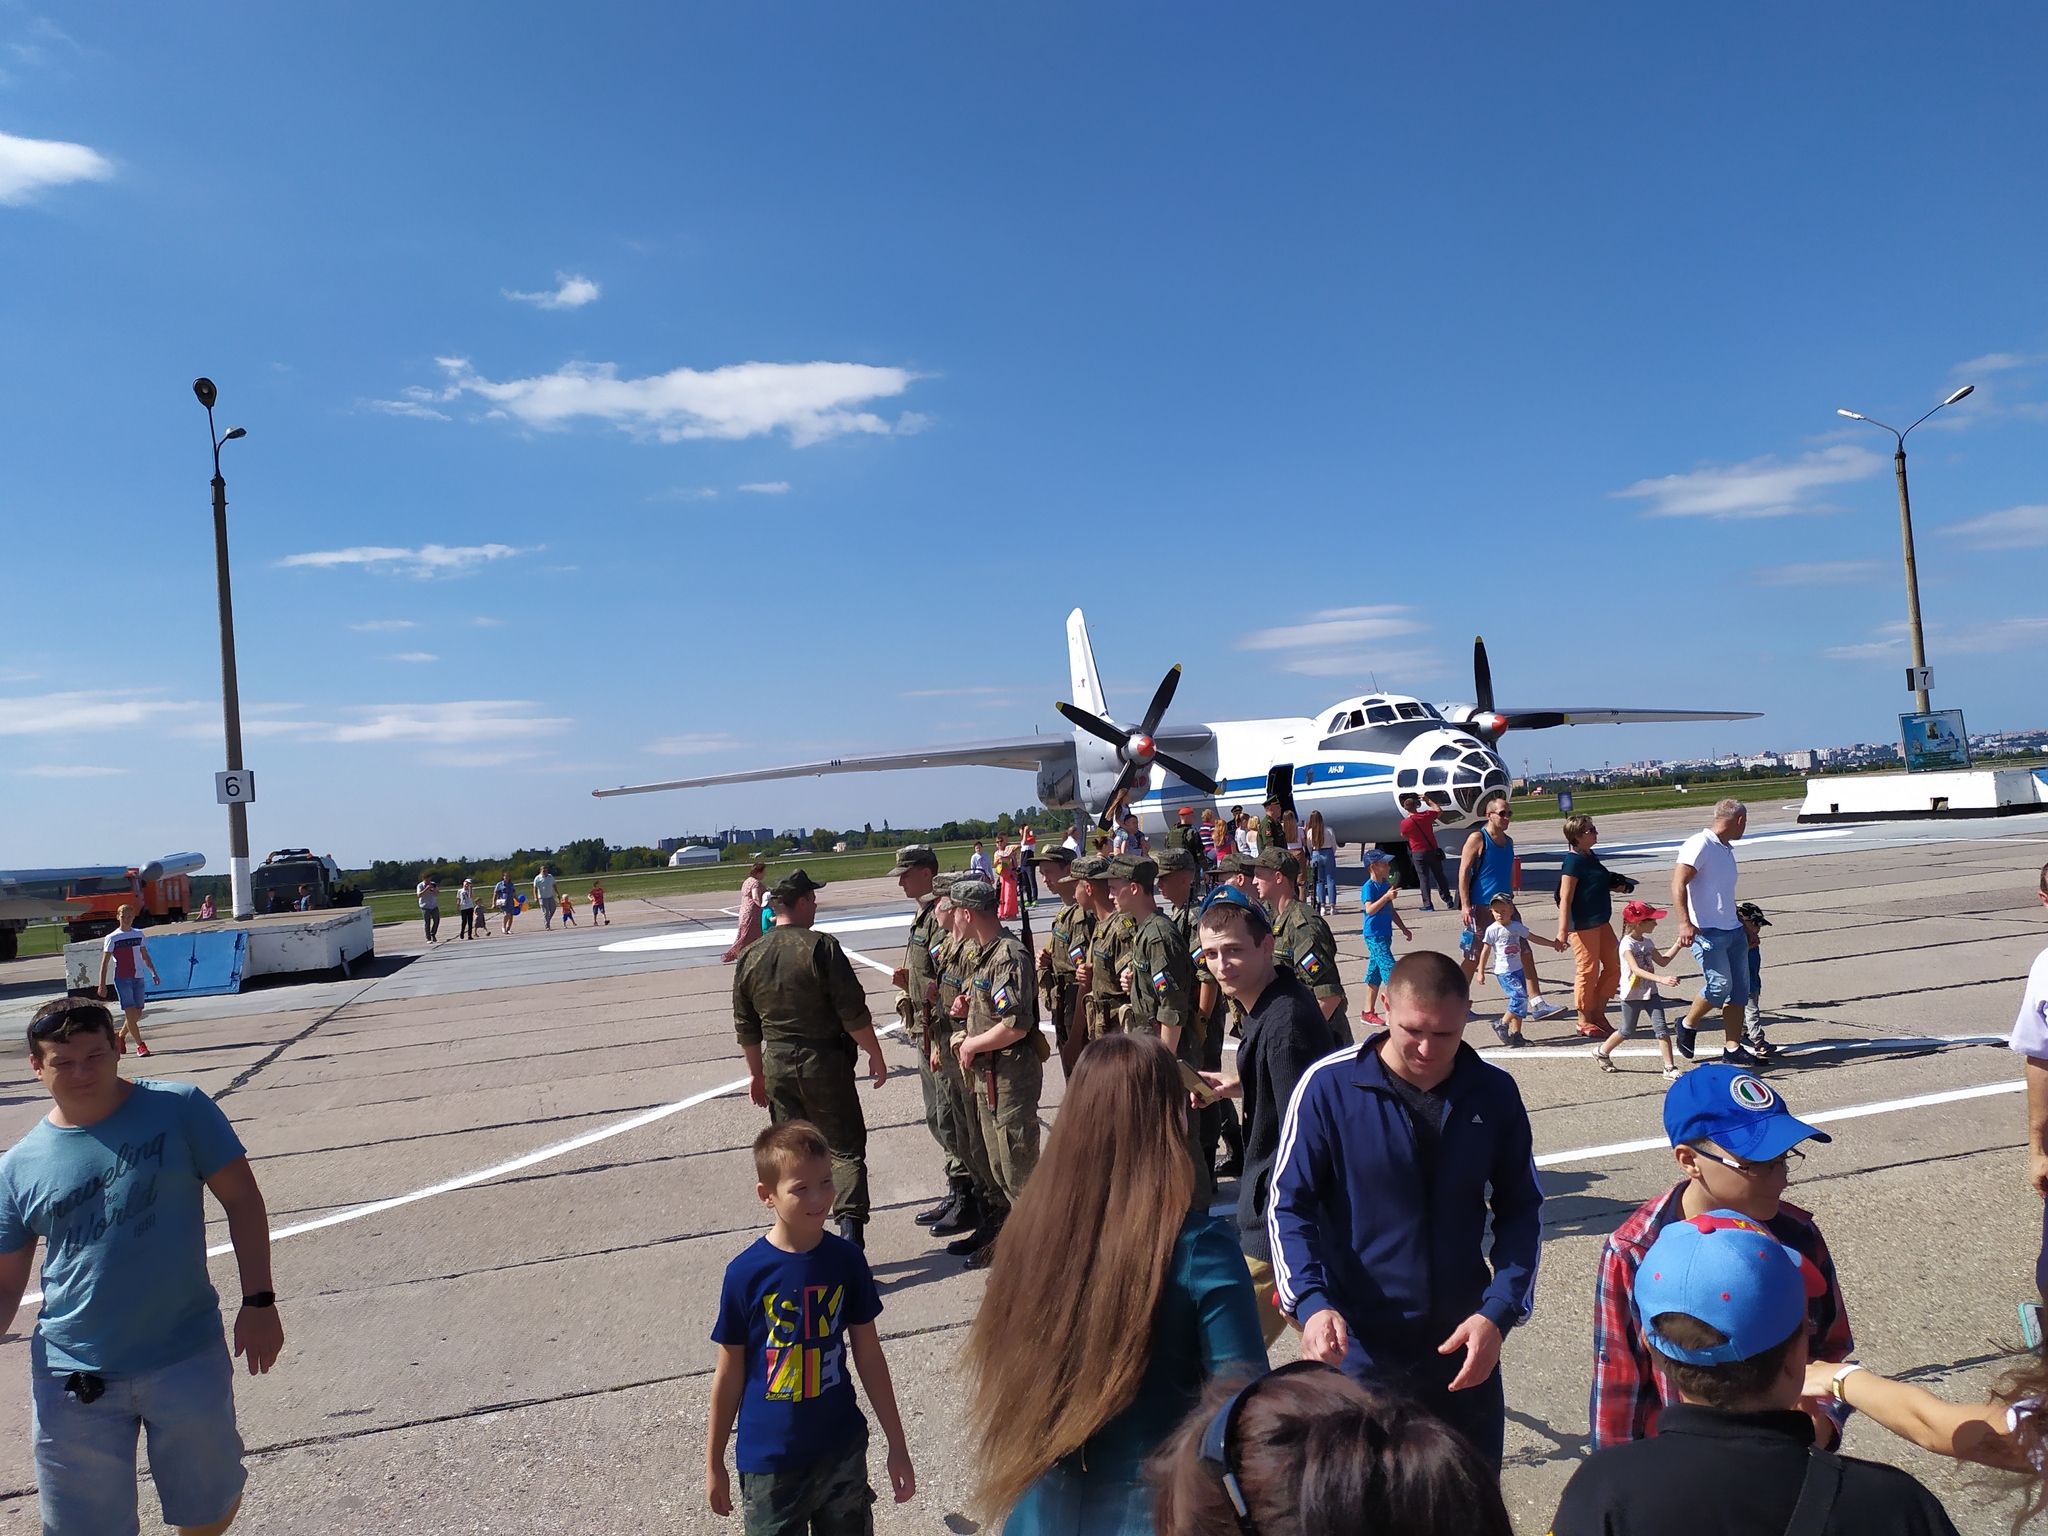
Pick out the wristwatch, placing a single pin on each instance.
(261, 1299)
(1835, 1382)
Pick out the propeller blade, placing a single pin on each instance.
(1094, 725)
(1157, 710)
(1482, 675)
(1116, 793)
(1187, 773)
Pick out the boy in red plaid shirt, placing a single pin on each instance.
(1733, 1138)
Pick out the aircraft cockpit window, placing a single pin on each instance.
(1443, 754)
(1337, 722)
(1436, 776)
(1357, 718)
(1439, 799)
(1430, 711)
(1380, 714)
(1410, 711)
(1405, 779)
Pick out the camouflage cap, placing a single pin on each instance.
(1058, 853)
(974, 895)
(944, 883)
(792, 886)
(1094, 867)
(914, 856)
(1280, 859)
(1175, 861)
(1236, 864)
(1133, 866)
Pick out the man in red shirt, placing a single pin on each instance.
(1419, 827)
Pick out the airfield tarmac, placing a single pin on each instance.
(505, 1177)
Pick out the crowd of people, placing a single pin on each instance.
(550, 899)
(1388, 1210)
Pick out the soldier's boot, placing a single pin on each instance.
(956, 1191)
(990, 1222)
(985, 1255)
(964, 1217)
(855, 1232)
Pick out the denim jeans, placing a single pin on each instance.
(1324, 862)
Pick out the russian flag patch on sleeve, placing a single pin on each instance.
(1160, 983)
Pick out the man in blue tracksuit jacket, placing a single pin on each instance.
(1391, 1156)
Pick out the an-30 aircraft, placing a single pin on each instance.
(1351, 761)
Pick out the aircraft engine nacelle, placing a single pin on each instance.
(1056, 786)
(1453, 770)
(1097, 765)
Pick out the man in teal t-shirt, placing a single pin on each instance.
(129, 1332)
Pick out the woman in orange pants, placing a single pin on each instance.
(1585, 917)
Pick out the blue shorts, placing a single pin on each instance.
(85, 1452)
(1517, 989)
(1723, 958)
(1379, 960)
(129, 990)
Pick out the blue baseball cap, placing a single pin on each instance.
(1231, 896)
(1730, 1273)
(1377, 856)
(1736, 1110)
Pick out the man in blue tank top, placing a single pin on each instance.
(1486, 869)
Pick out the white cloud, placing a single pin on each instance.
(688, 493)
(2014, 528)
(427, 560)
(808, 401)
(416, 409)
(693, 744)
(1332, 643)
(455, 724)
(949, 693)
(766, 487)
(572, 291)
(62, 771)
(1820, 573)
(1997, 362)
(376, 625)
(1765, 487)
(412, 656)
(29, 165)
(1966, 640)
(56, 714)
(1393, 669)
(482, 621)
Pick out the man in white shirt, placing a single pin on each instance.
(2030, 1039)
(544, 896)
(1703, 893)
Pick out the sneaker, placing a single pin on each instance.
(141, 1049)
(1515, 1038)
(1373, 1019)
(1544, 1008)
(1740, 1057)
(1606, 1062)
(1672, 1074)
(1428, 908)
(1682, 1038)
(1502, 1034)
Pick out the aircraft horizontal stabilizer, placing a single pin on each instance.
(1025, 752)
(1541, 719)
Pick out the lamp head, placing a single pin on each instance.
(232, 433)
(1952, 399)
(1852, 415)
(207, 394)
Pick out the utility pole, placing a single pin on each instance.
(242, 893)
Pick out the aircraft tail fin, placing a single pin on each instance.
(1081, 667)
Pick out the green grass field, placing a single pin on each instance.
(1660, 797)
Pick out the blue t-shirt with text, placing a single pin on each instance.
(120, 1207)
(1380, 924)
(790, 1312)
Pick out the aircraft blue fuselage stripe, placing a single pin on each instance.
(1352, 771)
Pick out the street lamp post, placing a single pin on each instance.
(243, 895)
(1921, 705)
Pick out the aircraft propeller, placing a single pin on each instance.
(1136, 748)
(1488, 723)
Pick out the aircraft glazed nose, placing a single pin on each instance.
(1452, 771)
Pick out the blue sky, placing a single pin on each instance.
(665, 390)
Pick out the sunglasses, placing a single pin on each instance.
(1784, 1162)
(54, 1023)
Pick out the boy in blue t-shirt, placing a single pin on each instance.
(794, 1306)
(1382, 885)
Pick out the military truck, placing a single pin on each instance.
(276, 881)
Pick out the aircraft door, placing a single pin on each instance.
(1280, 785)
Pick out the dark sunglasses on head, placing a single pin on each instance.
(81, 1007)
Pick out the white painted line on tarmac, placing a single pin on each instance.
(721, 939)
(1824, 1117)
(1803, 1048)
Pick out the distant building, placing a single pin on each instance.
(1802, 762)
(692, 854)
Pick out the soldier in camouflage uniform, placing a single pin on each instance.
(971, 1224)
(917, 979)
(800, 1012)
(1067, 946)
(1186, 835)
(1273, 827)
(1302, 941)
(1102, 1002)
(1159, 975)
(1217, 1122)
(1236, 869)
(1001, 1050)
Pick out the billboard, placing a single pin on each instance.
(1935, 740)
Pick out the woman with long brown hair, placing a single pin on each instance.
(1108, 1306)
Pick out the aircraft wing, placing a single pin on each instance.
(1542, 719)
(1026, 752)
